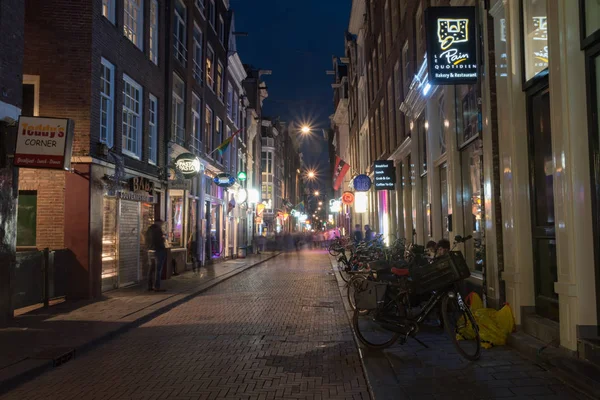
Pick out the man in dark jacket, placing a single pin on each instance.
(155, 240)
(369, 235)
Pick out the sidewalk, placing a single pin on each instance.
(48, 337)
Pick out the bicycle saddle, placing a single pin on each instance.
(400, 271)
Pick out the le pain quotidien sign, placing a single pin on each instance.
(451, 45)
(44, 143)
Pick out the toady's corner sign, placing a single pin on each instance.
(451, 45)
(384, 175)
(44, 143)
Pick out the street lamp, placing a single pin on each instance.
(311, 174)
(320, 203)
(305, 129)
(317, 193)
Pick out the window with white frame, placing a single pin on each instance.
(200, 6)
(220, 81)
(179, 31)
(208, 130)
(178, 109)
(236, 104)
(153, 130)
(211, 12)
(196, 123)
(218, 138)
(221, 30)
(107, 101)
(132, 118)
(108, 10)
(197, 54)
(229, 152)
(230, 101)
(133, 21)
(210, 68)
(154, 31)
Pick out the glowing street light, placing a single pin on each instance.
(320, 203)
(317, 193)
(305, 129)
(311, 174)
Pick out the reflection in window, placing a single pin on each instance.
(467, 113)
(472, 175)
(177, 216)
(536, 37)
(27, 218)
(191, 241)
(592, 17)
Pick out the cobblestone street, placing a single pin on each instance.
(276, 331)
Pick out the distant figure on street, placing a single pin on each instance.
(368, 233)
(357, 235)
(155, 240)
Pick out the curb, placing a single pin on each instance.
(45, 365)
(360, 354)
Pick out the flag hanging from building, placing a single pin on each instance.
(341, 168)
(225, 145)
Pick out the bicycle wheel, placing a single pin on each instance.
(342, 267)
(370, 332)
(353, 284)
(458, 320)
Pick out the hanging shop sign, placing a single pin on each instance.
(44, 143)
(141, 184)
(451, 45)
(260, 208)
(335, 206)
(362, 183)
(224, 180)
(188, 165)
(384, 175)
(131, 196)
(348, 198)
(242, 176)
(360, 202)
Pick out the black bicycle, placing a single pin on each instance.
(386, 312)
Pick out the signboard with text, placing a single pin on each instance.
(44, 143)
(362, 183)
(384, 175)
(451, 45)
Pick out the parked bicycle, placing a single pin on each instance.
(385, 311)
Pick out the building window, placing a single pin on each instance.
(443, 124)
(383, 130)
(210, 71)
(221, 30)
(422, 134)
(467, 113)
(397, 99)
(376, 82)
(236, 112)
(391, 134)
(591, 10)
(27, 219)
(380, 64)
(406, 69)
(197, 54)
(178, 109)
(200, 6)
(218, 138)
(154, 31)
(108, 10)
(210, 6)
(196, 124)
(535, 26)
(230, 101)
(395, 22)
(388, 29)
(177, 216)
(132, 118)
(419, 35)
(370, 81)
(208, 130)
(472, 179)
(180, 32)
(133, 21)
(220, 81)
(230, 152)
(107, 101)
(153, 130)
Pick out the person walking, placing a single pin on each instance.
(368, 233)
(155, 240)
(357, 235)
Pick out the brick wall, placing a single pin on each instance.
(50, 187)
(11, 51)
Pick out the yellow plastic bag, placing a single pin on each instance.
(494, 325)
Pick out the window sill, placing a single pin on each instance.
(131, 155)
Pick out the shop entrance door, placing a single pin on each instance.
(129, 243)
(542, 201)
(109, 245)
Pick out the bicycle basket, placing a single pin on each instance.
(443, 272)
(369, 295)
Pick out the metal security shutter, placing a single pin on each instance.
(146, 220)
(109, 244)
(129, 243)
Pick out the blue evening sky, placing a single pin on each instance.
(296, 40)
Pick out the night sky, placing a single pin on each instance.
(296, 40)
